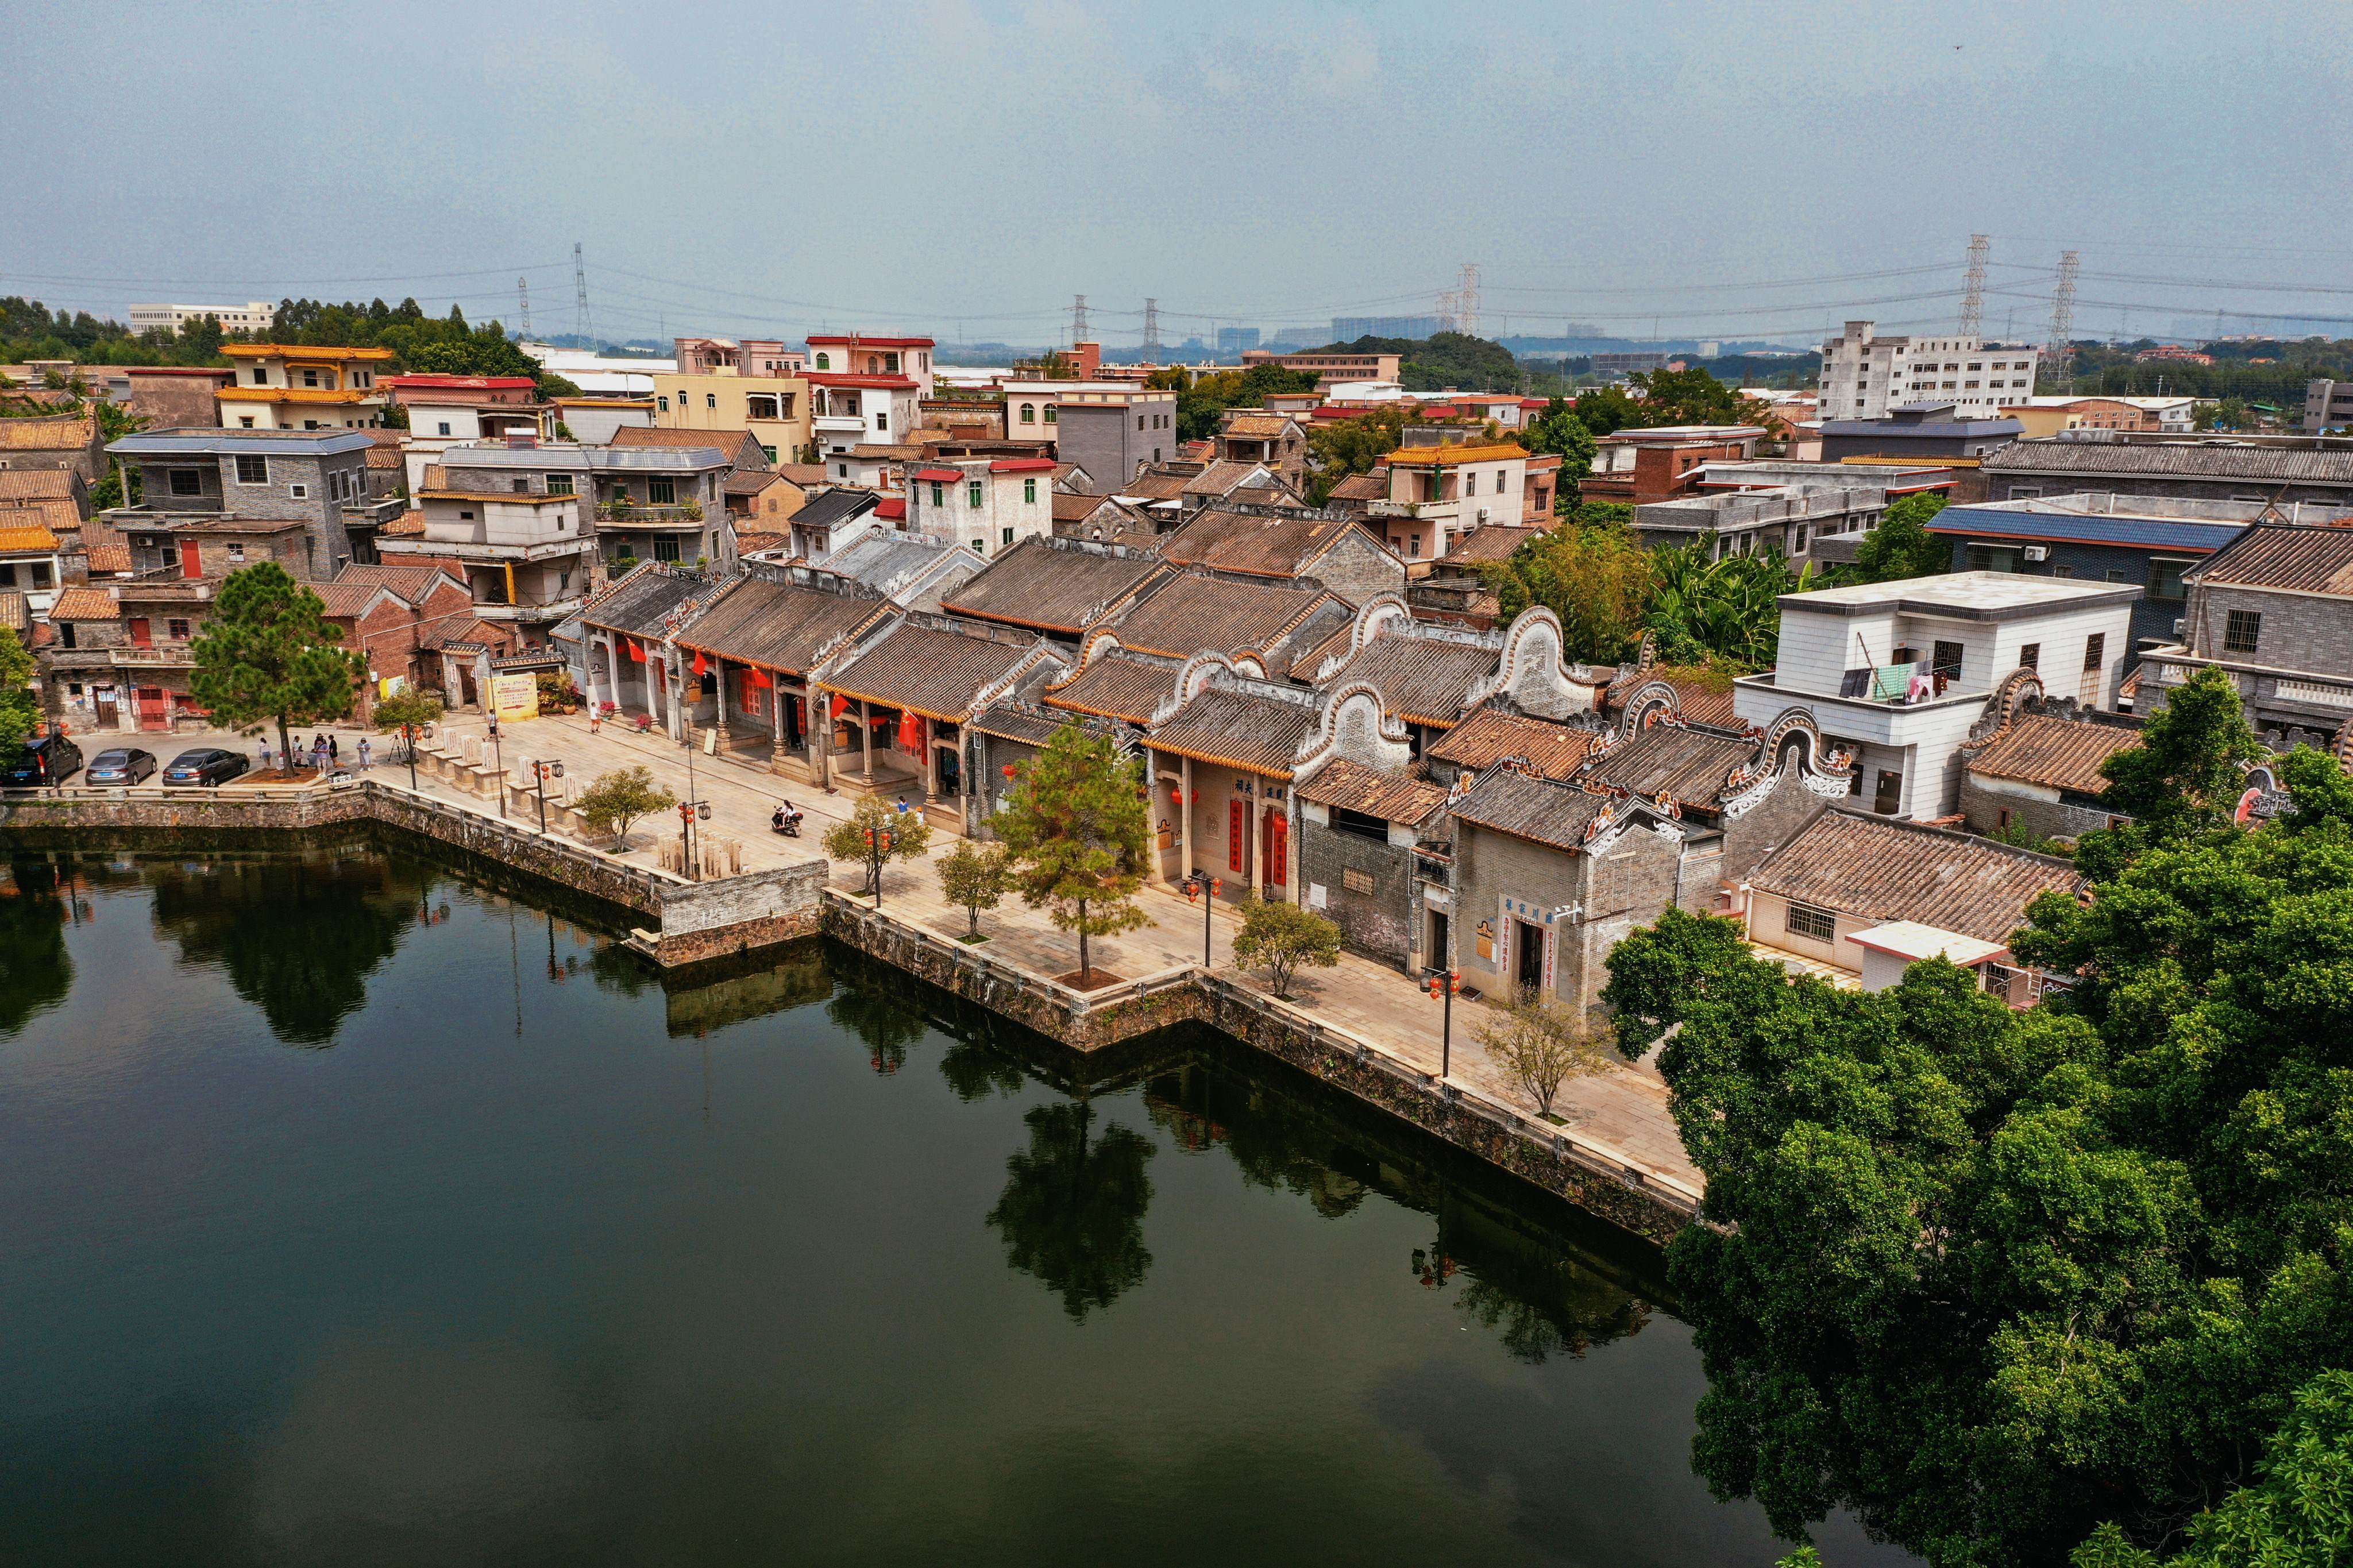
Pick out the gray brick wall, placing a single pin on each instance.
(1357, 569)
(1628, 887)
(1767, 826)
(1380, 924)
(1988, 808)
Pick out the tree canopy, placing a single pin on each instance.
(1078, 829)
(268, 652)
(1900, 545)
(1994, 1278)
(1202, 401)
(1559, 430)
(20, 710)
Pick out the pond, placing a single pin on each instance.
(358, 1211)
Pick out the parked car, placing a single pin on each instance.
(45, 760)
(122, 765)
(205, 765)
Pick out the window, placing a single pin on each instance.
(825, 362)
(521, 486)
(310, 378)
(1470, 481)
(2095, 650)
(1009, 536)
(300, 492)
(1028, 413)
(176, 629)
(2031, 656)
(662, 400)
(251, 471)
(260, 376)
(2242, 630)
(1355, 881)
(937, 499)
(187, 482)
(465, 516)
(882, 421)
(1053, 413)
(980, 547)
(244, 422)
(972, 492)
(665, 548)
(1363, 825)
(1029, 493)
(559, 484)
(1798, 546)
(2165, 578)
(1814, 924)
(1990, 558)
(759, 405)
(845, 470)
(237, 553)
(661, 492)
(768, 451)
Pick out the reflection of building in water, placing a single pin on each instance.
(710, 997)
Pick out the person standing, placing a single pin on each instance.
(265, 754)
(319, 754)
(365, 758)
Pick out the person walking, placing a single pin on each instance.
(335, 749)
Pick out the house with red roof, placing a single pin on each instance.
(986, 504)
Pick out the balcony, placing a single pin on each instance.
(475, 550)
(641, 514)
(1879, 720)
(161, 655)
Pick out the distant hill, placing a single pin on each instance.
(1444, 360)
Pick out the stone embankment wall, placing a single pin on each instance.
(703, 921)
(1091, 1021)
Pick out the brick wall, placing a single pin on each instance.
(1382, 923)
(1628, 887)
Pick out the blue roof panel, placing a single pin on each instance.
(2070, 528)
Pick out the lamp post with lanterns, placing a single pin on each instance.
(541, 772)
(1441, 984)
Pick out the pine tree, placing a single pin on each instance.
(268, 652)
(1078, 831)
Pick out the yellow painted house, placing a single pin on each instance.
(285, 386)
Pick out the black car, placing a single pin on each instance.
(205, 765)
(45, 760)
(122, 765)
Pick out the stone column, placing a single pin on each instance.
(1185, 811)
(866, 739)
(777, 701)
(820, 734)
(931, 767)
(718, 703)
(1257, 841)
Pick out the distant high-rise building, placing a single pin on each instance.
(1234, 339)
(254, 316)
(1348, 329)
(1865, 375)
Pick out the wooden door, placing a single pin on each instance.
(108, 718)
(1237, 835)
(192, 562)
(1889, 794)
(140, 637)
(1277, 850)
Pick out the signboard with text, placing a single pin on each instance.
(514, 695)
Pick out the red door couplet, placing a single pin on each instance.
(1237, 835)
(1277, 850)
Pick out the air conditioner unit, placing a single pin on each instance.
(2038, 553)
(2178, 626)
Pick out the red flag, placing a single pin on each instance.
(911, 733)
(698, 662)
(841, 705)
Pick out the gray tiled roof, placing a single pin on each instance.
(779, 625)
(1057, 587)
(2195, 459)
(1878, 869)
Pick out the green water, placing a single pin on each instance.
(354, 1212)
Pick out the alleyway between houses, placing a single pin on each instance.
(1621, 1112)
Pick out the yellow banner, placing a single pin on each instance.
(514, 695)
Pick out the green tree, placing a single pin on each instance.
(1703, 607)
(20, 709)
(1901, 546)
(1340, 448)
(1078, 830)
(1542, 1043)
(1280, 936)
(876, 834)
(1595, 578)
(1693, 397)
(1990, 1278)
(1559, 430)
(2188, 774)
(1072, 1210)
(1606, 410)
(268, 652)
(975, 877)
(620, 797)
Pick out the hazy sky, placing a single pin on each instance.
(773, 168)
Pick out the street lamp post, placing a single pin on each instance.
(1442, 985)
(498, 746)
(1196, 884)
(409, 735)
(541, 773)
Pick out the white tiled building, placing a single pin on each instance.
(1864, 375)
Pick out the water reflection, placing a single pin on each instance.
(1072, 1212)
(297, 936)
(881, 1016)
(33, 918)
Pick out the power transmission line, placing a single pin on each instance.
(580, 298)
(2061, 352)
(1973, 288)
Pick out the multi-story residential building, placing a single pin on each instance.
(853, 353)
(749, 356)
(776, 408)
(522, 537)
(1330, 364)
(1814, 518)
(31, 559)
(253, 316)
(1109, 428)
(2049, 414)
(852, 411)
(204, 488)
(1939, 431)
(280, 386)
(1866, 377)
(1254, 436)
(831, 520)
(2275, 610)
(986, 505)
(2327, 406)
(650, 503)
(2274, 469)
(1438, 494)
(1897, 674)
(749, 475)
(1638, 467)
(446, 411)
(2101, 537)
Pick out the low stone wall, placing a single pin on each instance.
(703, 921)
(1091, 1022)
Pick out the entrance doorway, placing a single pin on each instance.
(1890, 794)
(1528, 955)
(1438, 955)
(109, 718)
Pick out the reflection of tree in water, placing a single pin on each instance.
(1072, 1211)
(297, 937)
(885, 1020)
(35, 971)
(1276, 1146)
(1532, 1290)
(976, 1070)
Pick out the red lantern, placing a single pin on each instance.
(1192, 892)
(1008, 769)
(1216, 886)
